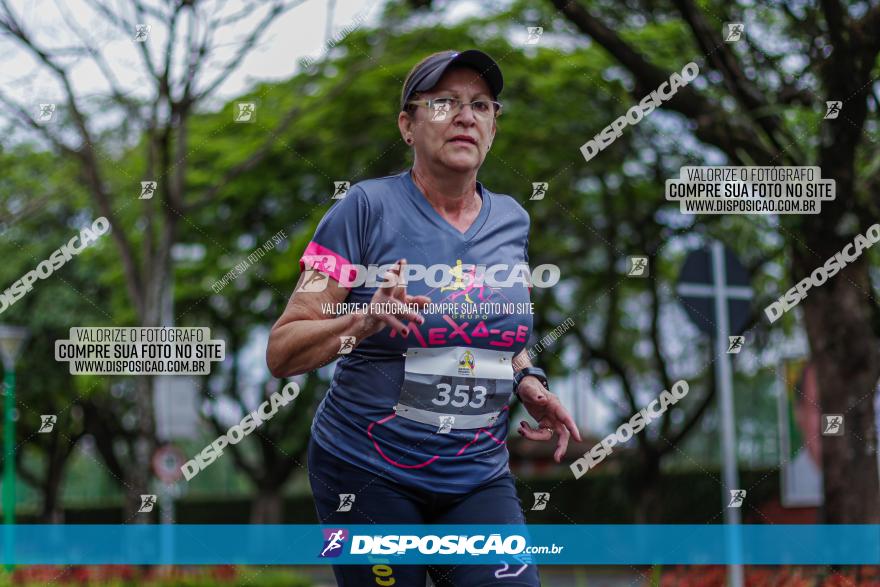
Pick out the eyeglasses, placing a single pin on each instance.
(442, 107)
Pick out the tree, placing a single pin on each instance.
(837, 47)
(180, 82)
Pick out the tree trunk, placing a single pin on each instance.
(838, 314)
(644, 487)
(52, 513)
(267, 507)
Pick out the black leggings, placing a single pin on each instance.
(381, 501)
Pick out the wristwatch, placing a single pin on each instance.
(535, 371)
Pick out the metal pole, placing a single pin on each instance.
(724, 377)
(9, 467)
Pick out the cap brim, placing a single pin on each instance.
(472, 58)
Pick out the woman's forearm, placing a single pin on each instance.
(301, 346)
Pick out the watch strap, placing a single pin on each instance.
(525, 372)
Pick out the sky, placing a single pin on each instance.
(298, 33)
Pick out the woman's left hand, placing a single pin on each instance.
(550, 414)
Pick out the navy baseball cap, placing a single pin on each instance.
(427, 73)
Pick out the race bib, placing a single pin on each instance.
(455, 387)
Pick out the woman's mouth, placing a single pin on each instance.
(463, 140)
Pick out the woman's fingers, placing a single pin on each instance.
(561, 442)
(394, 323)
(394, 286)
(534, 433)
(420, 300)
(565, 418)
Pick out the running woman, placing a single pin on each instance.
(413, 427)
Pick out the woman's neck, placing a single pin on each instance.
(452, 193)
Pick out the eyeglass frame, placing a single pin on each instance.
(461, 104)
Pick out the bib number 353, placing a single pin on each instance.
(462, 395)
(455, 388)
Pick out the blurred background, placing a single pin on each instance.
(98, 96)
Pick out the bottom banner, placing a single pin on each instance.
(183, 544)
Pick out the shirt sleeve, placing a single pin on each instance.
(339, 243)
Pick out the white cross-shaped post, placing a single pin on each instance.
(720, 292)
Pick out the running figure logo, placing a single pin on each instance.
(737, 496)
(735, 344)
(340, 189)
(147, 503)
(734, 32)
(47, 423)
(535, 33)
(346, 500)
(446, 423)
(333, 541)
(245, 112)
(539, 188)
(832, 109)
(141, 32)
(346, 344)
(318, 267)
(439, 113)
(638, 267)
(541, 501)
(47, 111)
(148, 190)
(832, 424)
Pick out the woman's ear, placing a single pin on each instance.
(405, 124)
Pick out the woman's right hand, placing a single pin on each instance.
(393, 296)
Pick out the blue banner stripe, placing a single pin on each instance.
(576, 544)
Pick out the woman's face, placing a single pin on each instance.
(459, 140)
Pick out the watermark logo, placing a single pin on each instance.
(340, 188)
(245, 264)
(159, 350)
(752, 189)
(142, 32)
(832, 109)
(440, 111)
(541, 501)
(346, 501)
(665, 92)
(539, 189)
(147, 503)
(737, 497)
(245, 112)
(334, 538)
(56, 260)
(446, 423)
(520, 361)
(346, 344)
(47, 423)
(463, 279)
(627, 430)
(734, 31)
(735, 344)
(308, 63)
(264, 412)
(638, 267)
(832, 424)
(46, 113)
(432, 544)
(148, 190)
(313, 281)
(823, 273)
(534, 33)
